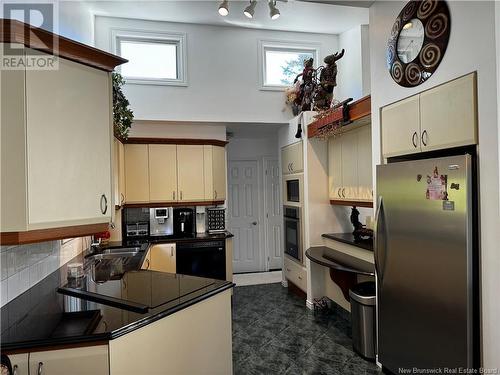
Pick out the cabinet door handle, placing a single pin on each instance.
(147, 264)
(288, 269)
(426, 137)
(343, 192)
(105, 201)
(173, 195)
(40, 368)
(414, 139)
(14, 370)
(171, 251)
(122, 199)
(291, 166)
(300, 277)
(215, 194)
(338, 192)
(181, 194)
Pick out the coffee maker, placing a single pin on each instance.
(184, 222)
(160, 221)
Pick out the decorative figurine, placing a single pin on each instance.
(307, 87)
(355, 220)
(327, 81)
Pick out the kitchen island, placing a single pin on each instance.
(119, 319)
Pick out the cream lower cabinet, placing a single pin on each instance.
(19, 363)
(163, 173)
(56, 147)
(349, 165)
(190, 169)
(296, 273)
(214, 161)
(442, 117)
(77, 361)
(162, 257)
(292, 158)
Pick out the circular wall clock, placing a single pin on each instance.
(418, 41)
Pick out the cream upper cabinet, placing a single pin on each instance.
(162, 173)
(119, 172)
(136, 173)
(292, 158)
(439, 118)
(162, 257)
(401, 127)
(448, 114)
(190, 170)
(77, 361)
(364, 158)
(214, 159)
(349, 165)
(335, 167)
(20, 364)
(56, 147)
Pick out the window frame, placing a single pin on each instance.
(179, 39)
(287, 46)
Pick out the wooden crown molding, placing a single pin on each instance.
(13, 31)
(51, 234)
(176, 141)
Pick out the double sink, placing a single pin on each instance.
(113, 253)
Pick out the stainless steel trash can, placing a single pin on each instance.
(363, 301)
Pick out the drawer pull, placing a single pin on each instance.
(300, 277)
(40, 368)
(288, 269)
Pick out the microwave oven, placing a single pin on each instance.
(292, 190)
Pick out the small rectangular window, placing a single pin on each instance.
(153, 58)
(149, 60)
(282, 62)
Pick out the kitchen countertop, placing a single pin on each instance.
(349, 238)
(44, 317)
(340, 261)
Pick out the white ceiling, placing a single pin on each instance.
(295, 15)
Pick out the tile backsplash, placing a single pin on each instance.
(23, 266)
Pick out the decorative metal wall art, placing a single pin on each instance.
(418, 41)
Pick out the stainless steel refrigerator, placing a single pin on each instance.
(425, 257)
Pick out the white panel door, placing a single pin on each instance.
(274, 215)
(243, 216)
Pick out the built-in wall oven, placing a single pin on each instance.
(292, 186)
(293, 232)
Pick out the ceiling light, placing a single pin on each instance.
(274, 12)
(224, 8)
(250, 10)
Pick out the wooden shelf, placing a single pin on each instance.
(175, 141)
(51, 234)
(359, 112)
(345, 202)
(172, 204)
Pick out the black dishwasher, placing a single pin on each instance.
(202, 258)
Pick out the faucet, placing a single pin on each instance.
(94, 244)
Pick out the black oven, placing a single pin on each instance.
(202, 258)
(293, 190)
(293, 229)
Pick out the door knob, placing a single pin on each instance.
(254, 223)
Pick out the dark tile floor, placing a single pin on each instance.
(274, 333)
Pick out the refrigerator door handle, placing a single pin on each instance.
(380, 241)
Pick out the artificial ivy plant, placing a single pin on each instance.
(122, 114)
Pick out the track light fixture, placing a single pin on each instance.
(274, 13)
(224, 8)
(250, 10)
